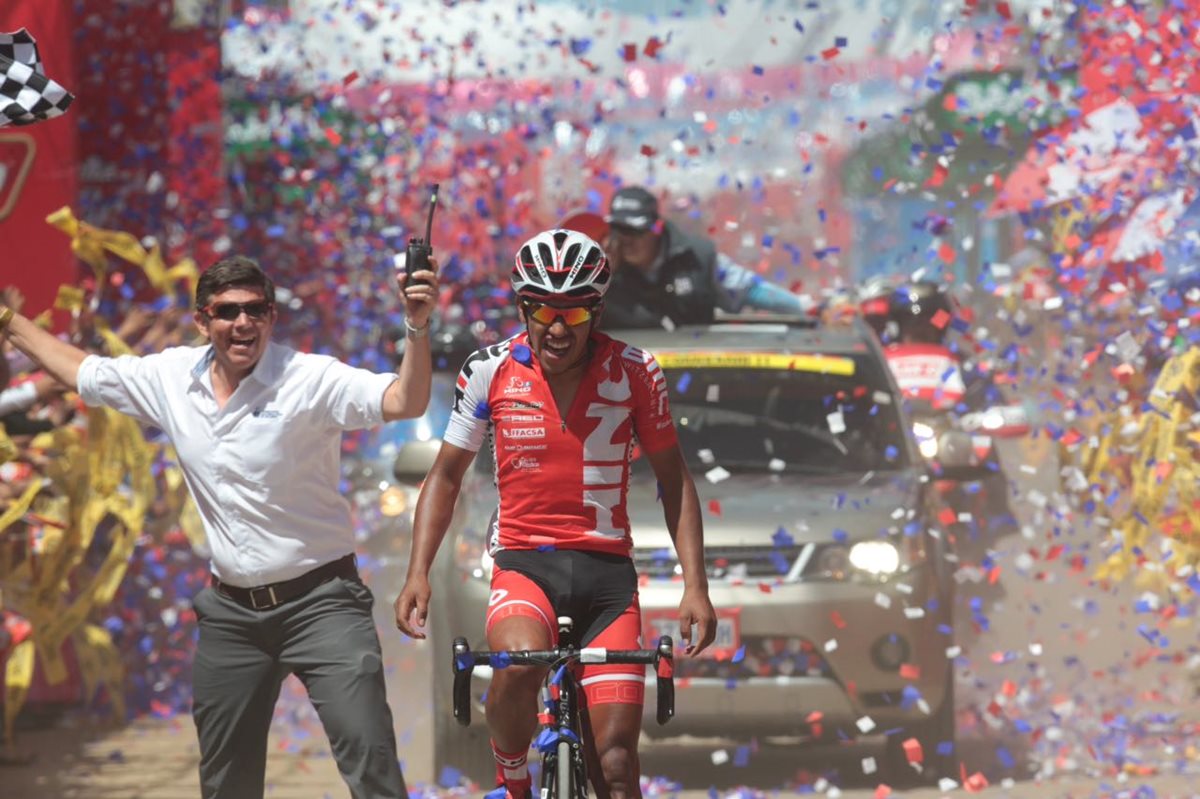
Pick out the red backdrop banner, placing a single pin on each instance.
(39, 165)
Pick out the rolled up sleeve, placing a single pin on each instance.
(353, 396)
(128, 384)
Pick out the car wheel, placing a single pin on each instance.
(938, 760)
(458, 752)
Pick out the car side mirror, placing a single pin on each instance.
(959, 458)
(414, 461)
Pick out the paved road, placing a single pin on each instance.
(1060, 695)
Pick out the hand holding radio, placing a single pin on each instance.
(419, 250)
(420, 293)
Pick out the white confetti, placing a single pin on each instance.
(706, 456)
(837, 422)
(868, 765)
(883, 600)
(719, 757)
(714, 393)
(831, 645)
(776, 465)
(716, 474)
(865, 724)
(1127, 347)
(914, 613)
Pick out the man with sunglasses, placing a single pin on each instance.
(663, 277)
(565, 405)
(257, 427)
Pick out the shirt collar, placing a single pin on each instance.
(266, 371)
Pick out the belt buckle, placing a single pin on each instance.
(270, 600)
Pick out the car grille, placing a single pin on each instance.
(724, 563)
(760, 656)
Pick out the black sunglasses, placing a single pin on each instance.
(229, 311)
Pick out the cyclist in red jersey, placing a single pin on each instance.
(565, 405)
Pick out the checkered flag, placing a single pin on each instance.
(26, 94)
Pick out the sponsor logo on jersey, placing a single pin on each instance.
(527, 463)
(525, 417)
(523, 447)
(530, 404)
(518, 385)
(524, 432)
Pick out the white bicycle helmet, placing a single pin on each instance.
(561, 264)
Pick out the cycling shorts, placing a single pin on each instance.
(597, 590)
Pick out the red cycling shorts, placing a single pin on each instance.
(597, 590)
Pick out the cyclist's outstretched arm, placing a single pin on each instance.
(681, 508)
(435, 507)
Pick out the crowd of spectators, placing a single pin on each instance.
(51, 557)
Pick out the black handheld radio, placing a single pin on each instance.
(419, 250)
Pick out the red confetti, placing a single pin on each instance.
(975, 783)
(648, 151)
(837, 619)
(353, 76)
(653, 45)
(629, 52)
(333, 136)
(831, 53)
(714, 507)
(1003, 10)
(940, 319)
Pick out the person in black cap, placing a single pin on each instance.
(664, 277)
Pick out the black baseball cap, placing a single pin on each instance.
(633, 207)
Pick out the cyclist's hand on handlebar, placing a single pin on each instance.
(412, 606)
(696, 609)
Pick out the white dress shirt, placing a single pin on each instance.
(265, 469)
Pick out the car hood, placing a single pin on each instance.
(748, 510)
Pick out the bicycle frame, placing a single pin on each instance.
(562, 738)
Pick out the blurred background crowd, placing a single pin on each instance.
(1039, 159)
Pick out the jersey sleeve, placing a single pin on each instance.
(652, 422)
(471, 413)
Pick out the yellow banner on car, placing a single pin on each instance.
(822, 364)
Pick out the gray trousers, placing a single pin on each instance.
(326, 638)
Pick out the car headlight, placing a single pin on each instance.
(396, 501)
(880, 558)
(927, 442)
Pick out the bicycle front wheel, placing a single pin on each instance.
(564, 772)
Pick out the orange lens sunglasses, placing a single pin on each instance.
(546, 314)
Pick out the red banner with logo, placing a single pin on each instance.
(39, 165)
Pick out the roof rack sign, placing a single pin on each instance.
(824, 364)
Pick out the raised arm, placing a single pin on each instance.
(57, 357)
(408, 396)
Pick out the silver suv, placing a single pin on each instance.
(828, 556)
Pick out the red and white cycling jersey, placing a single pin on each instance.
(562, 481)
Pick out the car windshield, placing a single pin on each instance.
(787, 419)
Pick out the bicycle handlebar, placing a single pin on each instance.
(662, 658)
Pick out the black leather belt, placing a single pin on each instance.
(265, 597)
